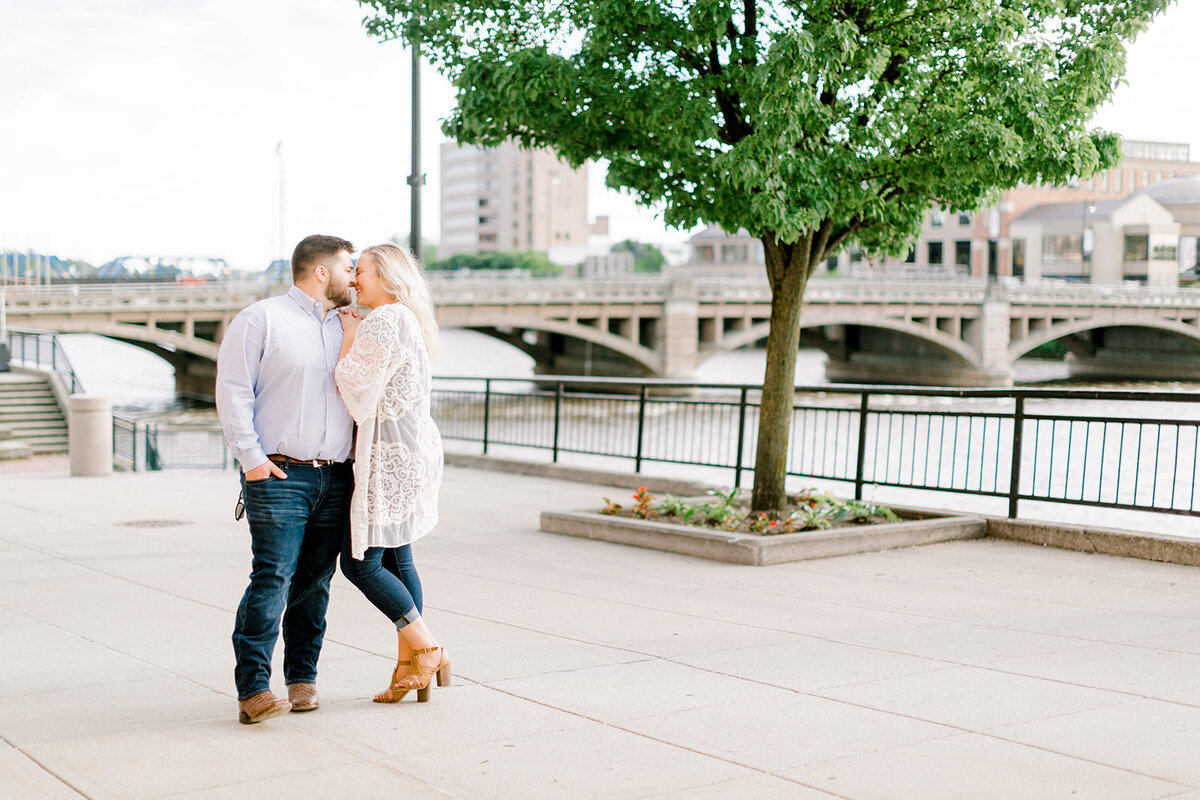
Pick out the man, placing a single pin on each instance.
(288, 428)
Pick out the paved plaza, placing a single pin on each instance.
(585, 669)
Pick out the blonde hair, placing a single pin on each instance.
(404, 281)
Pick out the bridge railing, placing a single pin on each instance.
(42, 350)
(1109, 449)
(137, 296)
(234, 295)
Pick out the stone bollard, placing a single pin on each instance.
(91, 441)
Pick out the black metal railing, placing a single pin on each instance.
(1115, 449)
(43, 350)
(153, 445)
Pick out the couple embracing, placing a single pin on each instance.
(295, 374)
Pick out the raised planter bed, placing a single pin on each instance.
(763, 550)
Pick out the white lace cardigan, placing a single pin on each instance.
(384, 380)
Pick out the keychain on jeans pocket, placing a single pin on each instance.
(239, 510)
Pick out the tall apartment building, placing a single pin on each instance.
(510, 198)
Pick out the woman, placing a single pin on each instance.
(383, 376)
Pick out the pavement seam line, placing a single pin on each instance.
(924, 616)
(648, 737)
(34, 759)
(1017, 742)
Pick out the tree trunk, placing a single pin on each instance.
(787, 269)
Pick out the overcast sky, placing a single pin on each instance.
(149, 127)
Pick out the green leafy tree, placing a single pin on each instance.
(812, 123)
(646, 257)
(536, 263)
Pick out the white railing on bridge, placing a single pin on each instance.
(137, 296)
(646, 290)
(1089, 295)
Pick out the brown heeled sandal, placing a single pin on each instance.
(394, 693)
(420, 678)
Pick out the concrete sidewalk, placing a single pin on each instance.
(585, 669)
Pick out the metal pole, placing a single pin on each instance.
(741, 440)
(861, 456)
(641, 429)
(416, 179)
(279, 152)
(1014, 480)
(558, 394)
(487, 412)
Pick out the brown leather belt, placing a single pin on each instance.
(288, 461)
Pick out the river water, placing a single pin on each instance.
(142, 385)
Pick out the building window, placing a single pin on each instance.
(484, 202)
(935, 252)
(703, 254)
(937, 218)
(1062, 249)
(964, 219)
(487, 238)
(911, 258)
(1166, 252)
(734, 254)
(1137, 248)
(1018, 267)
(962, 253)
(856, 254)
(486, 220)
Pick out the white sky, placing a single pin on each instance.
(149, 127)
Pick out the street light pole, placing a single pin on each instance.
(1084, 264)
(416, 179)
(279, 152)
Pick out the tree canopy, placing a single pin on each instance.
(535, 263)
(646, 257)
(811, 123)
(847, 117)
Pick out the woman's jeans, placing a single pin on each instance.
(296, 531)
(387, 577)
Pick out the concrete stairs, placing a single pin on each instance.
(29, 410)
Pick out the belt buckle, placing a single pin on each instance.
(315, 464)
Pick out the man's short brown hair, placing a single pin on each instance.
(312, 250)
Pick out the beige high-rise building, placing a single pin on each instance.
(510, 198)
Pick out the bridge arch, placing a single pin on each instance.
(511, 329)
(1064, 330)
(955, 349)
(156, 340)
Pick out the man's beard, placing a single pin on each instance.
(339, 295)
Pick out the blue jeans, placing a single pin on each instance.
(387, 577)
(296, 530)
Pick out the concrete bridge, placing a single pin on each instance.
(962, 333)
